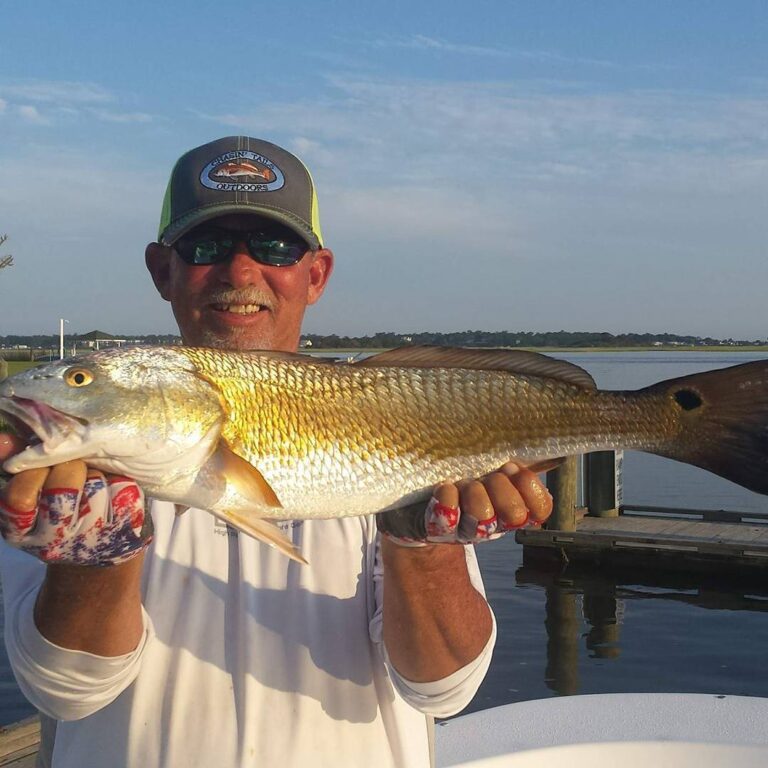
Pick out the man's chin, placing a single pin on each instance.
(236, 339)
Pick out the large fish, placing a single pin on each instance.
(259, 436)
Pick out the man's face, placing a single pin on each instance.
(239, 304)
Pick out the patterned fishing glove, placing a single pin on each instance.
(106, 524)
(510, 498)
(415, 526)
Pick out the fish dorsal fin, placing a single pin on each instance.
(263, 530)
(246, 479)
(510, 360)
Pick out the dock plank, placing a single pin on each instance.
(729, 541)
(19, 743)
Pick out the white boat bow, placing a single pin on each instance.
(631, 730)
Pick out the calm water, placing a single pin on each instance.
(592, 631)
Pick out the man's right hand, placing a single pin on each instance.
(72, 514)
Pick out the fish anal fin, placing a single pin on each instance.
(265, 531)
(246, 479)
(517, 361)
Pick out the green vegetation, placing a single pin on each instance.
(5, 261)
(529, 340)
(15, 366)
(18, 347)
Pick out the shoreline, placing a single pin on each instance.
(718, 348)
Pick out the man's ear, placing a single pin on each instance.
(319, 272)
(158, 260)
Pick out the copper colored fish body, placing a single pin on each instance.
(253, 436)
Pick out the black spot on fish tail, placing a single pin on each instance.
(688, 399)
(722, 422)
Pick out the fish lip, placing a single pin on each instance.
(48, 424)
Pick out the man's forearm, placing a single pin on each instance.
(90, 608)
(435, 621)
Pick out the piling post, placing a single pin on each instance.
(3, 369)
(603, 481)
(562, 483)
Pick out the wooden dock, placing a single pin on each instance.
(19, 743)
(614, 533)
(689, 541)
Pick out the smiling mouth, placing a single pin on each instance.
(240, 309)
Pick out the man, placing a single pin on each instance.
(203, 647)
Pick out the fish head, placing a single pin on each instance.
(142, 412)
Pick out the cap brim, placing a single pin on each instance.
(184, 224)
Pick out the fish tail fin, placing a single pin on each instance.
(723, 420)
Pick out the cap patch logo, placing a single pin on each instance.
(242, 171)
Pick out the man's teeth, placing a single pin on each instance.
(240, 309)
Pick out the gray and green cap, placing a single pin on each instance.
(238, 174)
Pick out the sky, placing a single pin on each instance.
(485, 165)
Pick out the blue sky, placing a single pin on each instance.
(480, 165)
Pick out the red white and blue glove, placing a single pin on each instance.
(104, 523)
(471, 512)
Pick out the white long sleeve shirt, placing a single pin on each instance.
(247, 658)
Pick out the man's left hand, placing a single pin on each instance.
(472, 511)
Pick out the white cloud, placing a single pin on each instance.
(471, 192)
(31, 114)
(424, 42)
(109, 116)
(45, 102)
(56, 92)
(427, 43)
(476, 189)
(83, 250)
(376, 133)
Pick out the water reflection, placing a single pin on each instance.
(562, 623)
(585, 607)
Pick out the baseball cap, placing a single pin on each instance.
(239, 174)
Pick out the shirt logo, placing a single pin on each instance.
(242, 171)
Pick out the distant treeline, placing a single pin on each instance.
(516, 339)
(41, 342)
(459, 339)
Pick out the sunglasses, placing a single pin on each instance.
(214, 246)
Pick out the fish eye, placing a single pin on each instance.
(78, 377)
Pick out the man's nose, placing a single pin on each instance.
(240, 269)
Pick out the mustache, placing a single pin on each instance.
(246, 295)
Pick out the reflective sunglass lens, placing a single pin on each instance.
(275, 252)
(211, 251)
(214, 247)
(204, 248)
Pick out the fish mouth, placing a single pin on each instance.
(44, 428)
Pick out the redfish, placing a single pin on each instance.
(260, 436)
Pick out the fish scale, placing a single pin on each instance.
(377, 436)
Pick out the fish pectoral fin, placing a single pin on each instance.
(264, 531)
(246, 479)
(546, 465)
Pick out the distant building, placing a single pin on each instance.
(98, 339)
